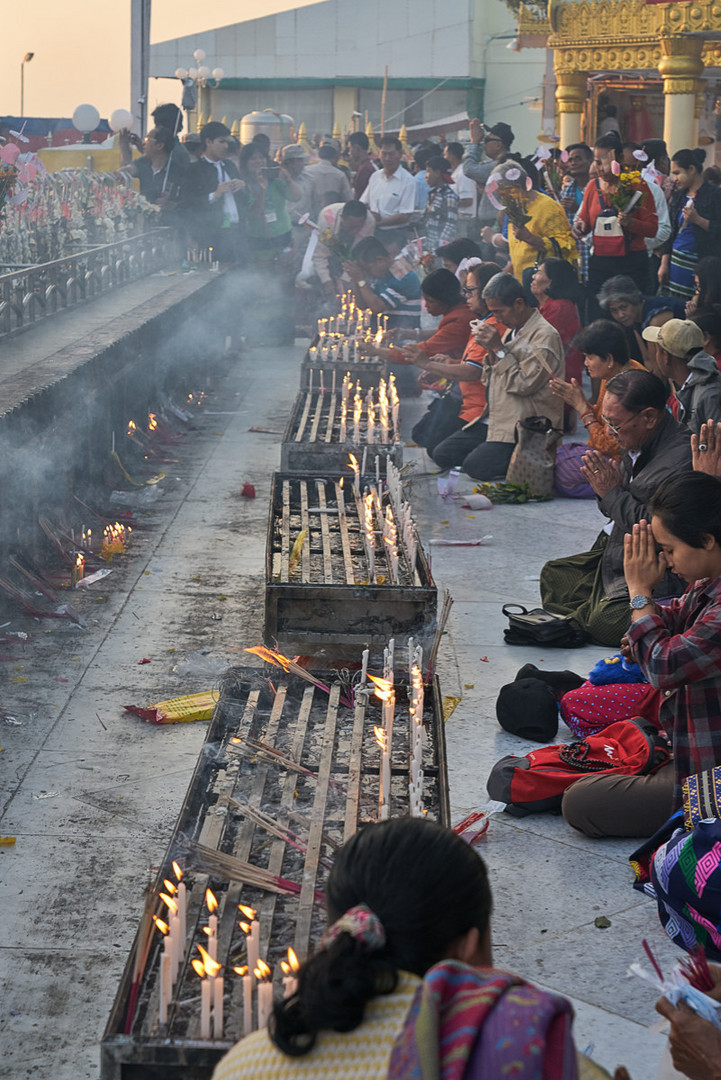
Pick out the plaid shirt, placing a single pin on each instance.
(440, 221)
(571, 190)
(679, 651)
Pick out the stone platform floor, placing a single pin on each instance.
(91, 793)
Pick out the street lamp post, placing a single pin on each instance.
(196, 79)
(25, 60)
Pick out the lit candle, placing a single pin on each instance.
(265, 993)
(247, 1004)
(205, 999)
(218, 991)
(166, 985)
(290, 969)
(212, 924)
(252, 941)
(182, 903)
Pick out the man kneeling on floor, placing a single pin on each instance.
(590, 587)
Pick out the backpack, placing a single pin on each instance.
(609, 239)
(536, 782)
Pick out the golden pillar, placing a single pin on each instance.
(681, 68)
(570, 102)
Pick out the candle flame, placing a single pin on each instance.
(212, 967)
(293, 960)
(162, 926)
(198, 967)
(340, 485)
(353, 462)
(169, 886)
(132, 427)
(284, 967)
(245, 927)
(249, 912)
(384, 688)
(381, 738)
(152, 421)
(211, 901)
(241, 970)
(262, 971)
(172, 905)
(177, 871)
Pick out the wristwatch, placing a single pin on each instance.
(361, 284)
(500, 354)
(640, 601)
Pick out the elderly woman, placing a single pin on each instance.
(621, 297)
(545, 231)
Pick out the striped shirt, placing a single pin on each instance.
(400, 291)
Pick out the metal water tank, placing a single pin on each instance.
(277, 126)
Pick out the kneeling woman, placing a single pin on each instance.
(409, 906)
(678, 647)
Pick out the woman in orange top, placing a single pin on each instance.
(605, 350)
(467, 429)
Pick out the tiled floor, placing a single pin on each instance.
(91, 793)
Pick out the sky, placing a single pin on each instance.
(82, 48)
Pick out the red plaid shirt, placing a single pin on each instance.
(679, 651)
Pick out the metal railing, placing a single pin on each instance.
(30, 294)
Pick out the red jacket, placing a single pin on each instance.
(644, 220)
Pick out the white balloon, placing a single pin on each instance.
(120, 120)
(199, 55)
(203, 72)
(181, 73)
(86, 118)
(218, 74)
(193, 73)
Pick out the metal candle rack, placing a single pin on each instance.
(314, 440)
(327, 590)
(317, 372)
(262, 725)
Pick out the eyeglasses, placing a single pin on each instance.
(615, 428)
(468, 290)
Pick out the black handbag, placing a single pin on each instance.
(431, 427)
(539, 627)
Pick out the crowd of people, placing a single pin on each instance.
(502, 277)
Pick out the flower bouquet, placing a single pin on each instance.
(509, 197)
(627, 192)
(335, 245)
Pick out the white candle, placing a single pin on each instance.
(247, 1004)
(218, 990)
(213, 937)
(253, 944)
(182, 914)
(310, 381)
(332, 388)
(178, 946)
(378, 471)
(364, 461)
(205, 1009)
(265, 1003)
(364, 665)
(322, 384)
(166, 984)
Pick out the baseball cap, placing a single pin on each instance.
(293, 150)
(677, 337)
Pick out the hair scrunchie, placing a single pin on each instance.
(362, 924)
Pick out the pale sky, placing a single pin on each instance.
(82, 48)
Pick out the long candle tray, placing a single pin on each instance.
(326, 601)
(314, 439)
(317, 373)
(264, 721)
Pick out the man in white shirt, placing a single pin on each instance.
(391, 195)
(210, 191)
(466, 191)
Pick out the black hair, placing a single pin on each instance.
(168, 116)
(563, 278)
(212, 130)
(708, 272)
(482, 273)
(391, 140)
(655, 148)
(427, 887)
(439, 164)
(504, 288)
(262, 140)
(423, 155)
(610, 110)
(603, 338)
(164, 138)
(327, 152)
(443, 286)
(638, 390)
(610, 142)
(460, 248)
(619, 287)
(359, 138)
(354, 208)
(687, 159)
(712, 175)
(368, 249)
(249, 151)
(580, 146)
(689, 506)
(629, 144)
(710, 323)
(456, 149)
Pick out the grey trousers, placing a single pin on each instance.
(620, 805)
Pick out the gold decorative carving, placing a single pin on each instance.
(681, 64)
(532, 23)
(571, 92)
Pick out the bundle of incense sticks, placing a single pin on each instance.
(34, 580)
(695, 968)
(271, 656)
(62, 543)
(446, 605)
(27, 604)
(264, 821)
(256, 749)
(142, 949)
(229, 868)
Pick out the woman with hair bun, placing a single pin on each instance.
(401, 984)
(695, 213)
